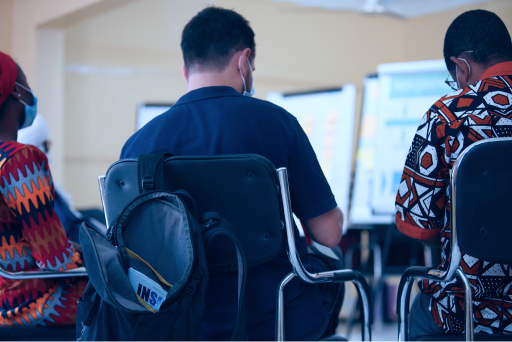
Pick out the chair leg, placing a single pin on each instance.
(469, 304)
(366, 332)
(280, 307)
(404, 298)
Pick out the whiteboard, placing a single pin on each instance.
(327, 118)
(406, 92)
(147, 112)
(361, 211)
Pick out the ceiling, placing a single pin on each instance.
(398, 8)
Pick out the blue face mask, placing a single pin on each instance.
(30, 110)
(251, 93)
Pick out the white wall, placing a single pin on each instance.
(92, 61)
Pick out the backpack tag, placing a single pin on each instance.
(147, 289)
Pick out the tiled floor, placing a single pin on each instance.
(380, 331)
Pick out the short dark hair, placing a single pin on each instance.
(213, 36)
(480, 31)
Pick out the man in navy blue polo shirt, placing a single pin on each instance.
(218, 116)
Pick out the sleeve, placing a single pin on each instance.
(422, 195)
(310, 193)
(29, 193)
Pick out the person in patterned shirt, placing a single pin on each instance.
(31, 234)
(478, 55)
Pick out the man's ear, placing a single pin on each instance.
(463, 70)
(247, 53)
(184, 73)
(243, 64)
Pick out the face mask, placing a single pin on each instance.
(30, 110)
(457, 74)
(251, 93)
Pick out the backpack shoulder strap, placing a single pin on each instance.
(188, 201)
(93, 312)
(213, 230)
(150, 170)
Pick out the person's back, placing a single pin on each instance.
(478, 54)
(215, 118)
(31, 234)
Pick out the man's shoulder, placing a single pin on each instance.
(252, 104)
(493, 92)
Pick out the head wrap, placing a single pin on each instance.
(8, 74)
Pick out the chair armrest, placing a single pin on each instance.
(33, 274)
(363, 289)
(417, 272)
(411, 272)
(403, 299)
(336, 276)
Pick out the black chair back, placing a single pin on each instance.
(38, 333)
(242, 188)
(483, 200)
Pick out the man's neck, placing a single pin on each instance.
(210, 79)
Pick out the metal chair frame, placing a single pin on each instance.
(315, 278)
(32, 274)
(454, 268)
(299, 270)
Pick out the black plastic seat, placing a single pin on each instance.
(57, 333)
(477, 337)
(251, 194)
(481, 185)
(333, 338)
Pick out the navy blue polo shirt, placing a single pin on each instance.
(219, 120)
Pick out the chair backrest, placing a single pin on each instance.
(482, 200)
(242, 188)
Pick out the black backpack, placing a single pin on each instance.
(148, 276)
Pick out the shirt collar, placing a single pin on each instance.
(207, 92)
(500, 69)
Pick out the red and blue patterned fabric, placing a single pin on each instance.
(32, 237)
(480, 111)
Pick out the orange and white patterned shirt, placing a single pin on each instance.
(480, 111)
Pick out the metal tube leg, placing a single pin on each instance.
(377, 286)
(469, 304)
(377, 263)
(403, 326)
(366, 325)
(427, 254)
(280, 307)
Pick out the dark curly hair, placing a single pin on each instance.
(480, 31)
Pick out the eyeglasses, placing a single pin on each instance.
(452, 83)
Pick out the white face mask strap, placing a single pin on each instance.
(250, 66)
(22, 86)
(469, 66)
(23, 102)
(240, 67)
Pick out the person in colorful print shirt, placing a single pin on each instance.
(31, 235)
(478, 55)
